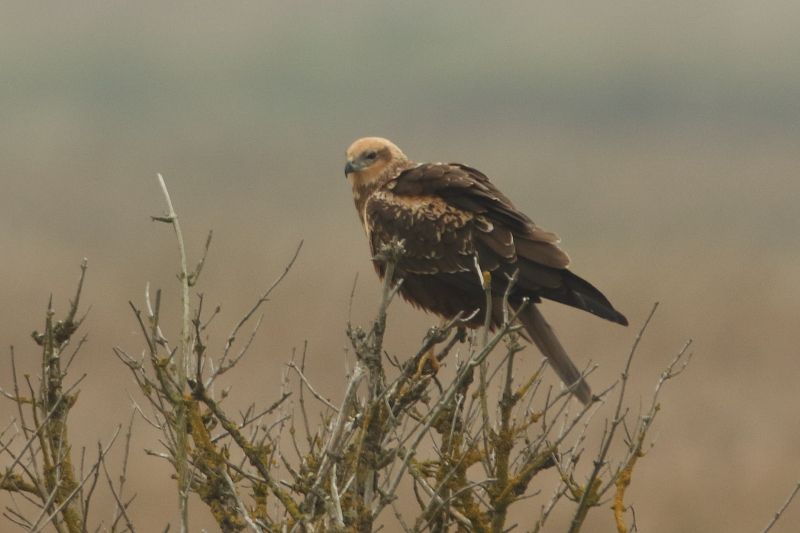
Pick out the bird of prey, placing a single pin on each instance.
(456, 225)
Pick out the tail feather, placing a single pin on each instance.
(545, 339)
(577, 292)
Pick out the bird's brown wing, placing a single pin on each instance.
(499, 233)
(451, 215)
(457, 214)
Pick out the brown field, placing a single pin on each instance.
(661, 143)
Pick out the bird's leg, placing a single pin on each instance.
(482, 274)
(430, 356)
(485, 278)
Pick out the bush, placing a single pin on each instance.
(464, 444)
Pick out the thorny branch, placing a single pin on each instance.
(187, 411)
(43, 468)
(183, 354)
(783, 508)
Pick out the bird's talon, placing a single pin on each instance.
(429, 357)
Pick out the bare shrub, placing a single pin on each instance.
(464, 444)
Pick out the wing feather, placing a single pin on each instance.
(546, 253)
(503, 234)
(469, 215)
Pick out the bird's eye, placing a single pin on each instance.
(371, 155)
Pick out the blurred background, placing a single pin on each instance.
(661, 140)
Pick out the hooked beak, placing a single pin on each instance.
(349, 168)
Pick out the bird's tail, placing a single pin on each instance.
(545, 339)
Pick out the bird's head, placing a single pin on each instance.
(369, 157)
